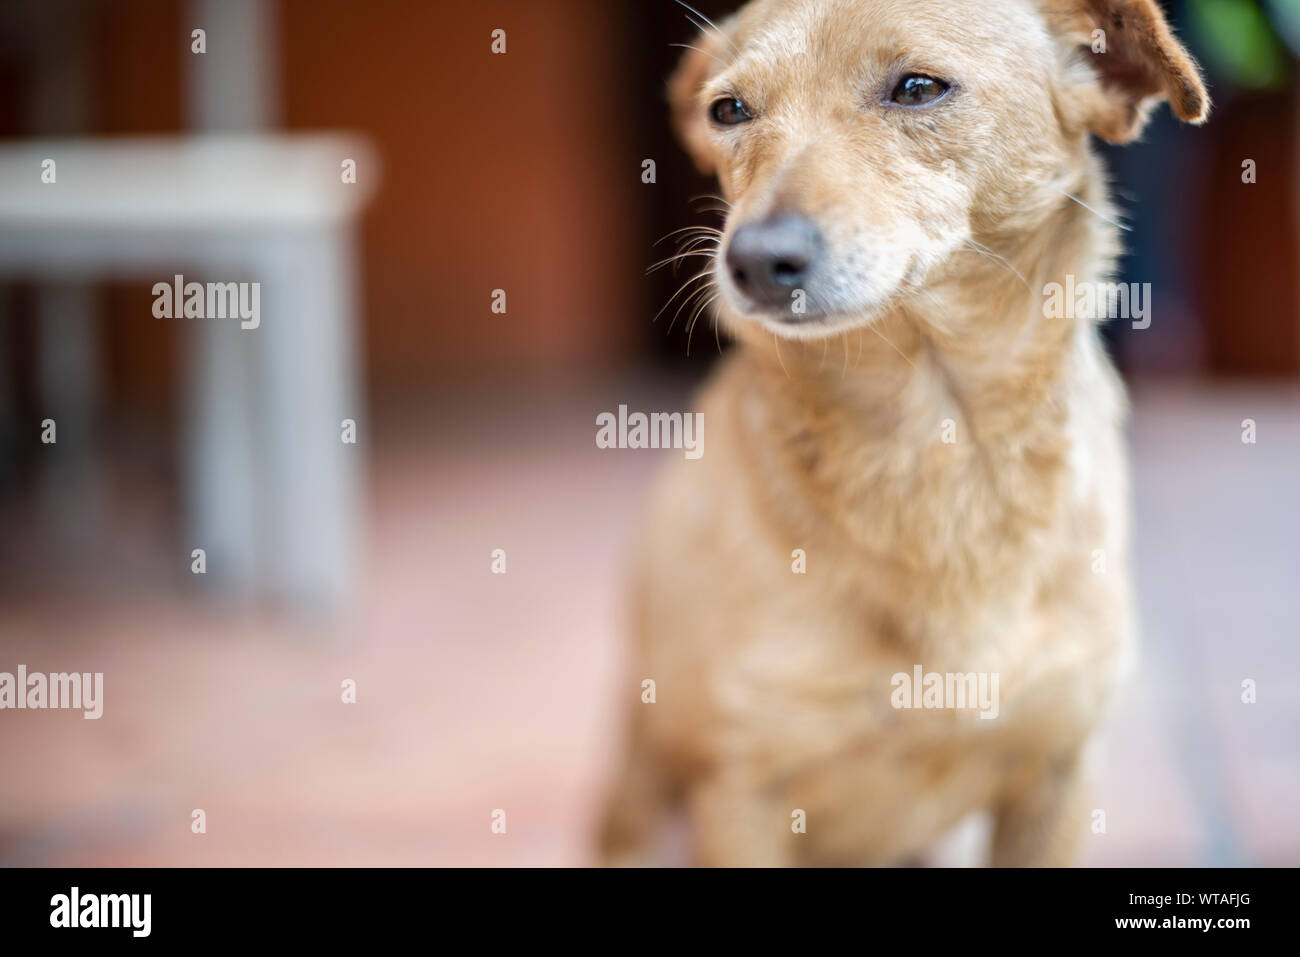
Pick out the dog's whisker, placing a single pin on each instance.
(990, 254)
(702, 234)
(684, 303)
(694, 290)
(698, 291)
(872, 327)
(938, 307)
(713, 197)
(705, 254)
(681, 289)
(694, 319)
(699, 296)
(687, 46)
(1127, 229)
(701, 247)
(678, 257)
(776, 341)
(690, 245)
(717, 335)
(710, 230)
(681, 254)
(725, 39)
(696, 23)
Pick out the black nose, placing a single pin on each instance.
(770, 259)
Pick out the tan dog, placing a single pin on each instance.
(905, 421)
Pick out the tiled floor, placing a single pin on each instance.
(479, 691)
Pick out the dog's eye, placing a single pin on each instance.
(917, 90)
(728, 111)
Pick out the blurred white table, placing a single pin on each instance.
(273, 493)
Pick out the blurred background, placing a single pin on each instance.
(520, 171)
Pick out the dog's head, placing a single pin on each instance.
(861, 143)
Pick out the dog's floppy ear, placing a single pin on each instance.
(1135, 62)
(704, 56)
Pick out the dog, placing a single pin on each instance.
(915, 475)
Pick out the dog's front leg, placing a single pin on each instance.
(1042, 824)
(737, 823)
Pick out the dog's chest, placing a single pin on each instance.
(813, 691)
(885, 749)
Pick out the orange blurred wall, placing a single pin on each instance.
(499, 172)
